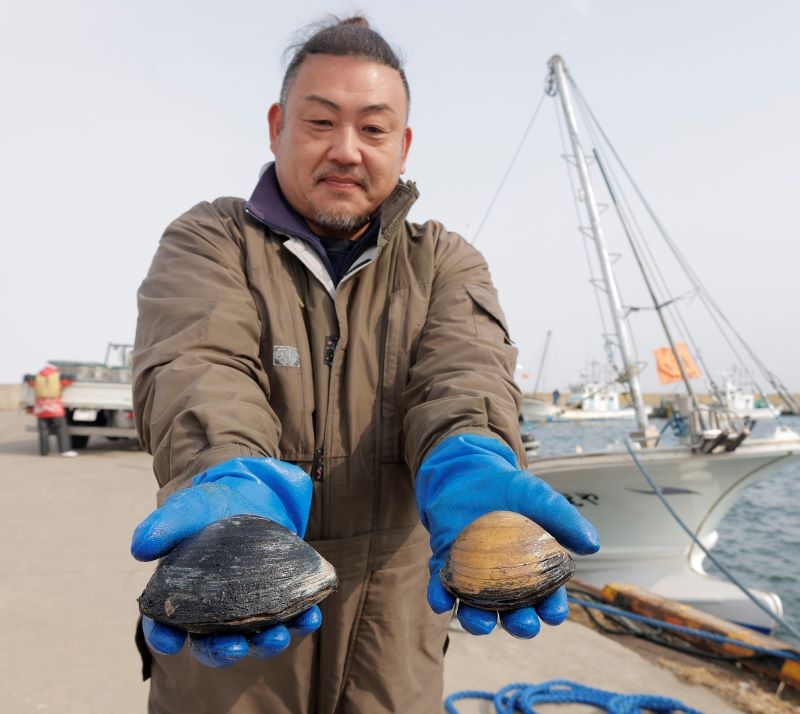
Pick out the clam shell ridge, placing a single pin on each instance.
(503, 561)
(239, 573)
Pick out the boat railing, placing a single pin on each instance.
(717, 428)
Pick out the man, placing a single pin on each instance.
(312, 357)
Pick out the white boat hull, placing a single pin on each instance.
(759, 413)
(595, 415)
(641, 543)
(535, 410)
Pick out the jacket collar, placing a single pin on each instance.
(268, 205)
(395, 209)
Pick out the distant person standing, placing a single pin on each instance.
(49, 409)
(556, 396)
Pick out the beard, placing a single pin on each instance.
(340, 222)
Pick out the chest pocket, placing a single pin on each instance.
(488, 315)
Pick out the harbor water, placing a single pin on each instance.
(759, 538)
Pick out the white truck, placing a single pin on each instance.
(99, 402)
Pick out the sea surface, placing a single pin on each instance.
(759, 538)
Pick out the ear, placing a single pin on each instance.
(275, 120)
(407, 136)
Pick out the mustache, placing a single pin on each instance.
(342, 172)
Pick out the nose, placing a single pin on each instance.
(345, 147)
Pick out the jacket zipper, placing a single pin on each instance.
(317, 466)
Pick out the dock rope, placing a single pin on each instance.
(520, 698)
(661, 624)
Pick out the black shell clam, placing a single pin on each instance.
(240, 573)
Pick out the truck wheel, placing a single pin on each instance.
(79, 441)
(44, 437)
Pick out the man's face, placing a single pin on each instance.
(340, 141)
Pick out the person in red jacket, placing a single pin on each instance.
(49, 409)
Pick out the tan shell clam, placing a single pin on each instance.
(240, 573)
(503, 561)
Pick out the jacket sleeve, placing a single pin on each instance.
(462, 374)
(199, 390)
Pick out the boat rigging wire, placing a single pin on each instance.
(637, 240)
(650, 288)
(637, 237)
(508, 170)
(712, 307)
(541, 361)
(657, 491)
(631, 226)
(698, 288)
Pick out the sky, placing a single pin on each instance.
(119, 116)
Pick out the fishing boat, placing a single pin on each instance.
(594, 401)
(595, 397)
(657, 504)
(537, 410)
(534, 409)
(744, 402)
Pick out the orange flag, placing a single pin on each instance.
(667, 364)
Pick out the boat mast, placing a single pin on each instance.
(631, 370)
(541, 361)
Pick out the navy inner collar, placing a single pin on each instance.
(268, 205)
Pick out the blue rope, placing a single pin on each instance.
(714, 637)
(521, 698)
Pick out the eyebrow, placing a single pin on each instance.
(370, 108)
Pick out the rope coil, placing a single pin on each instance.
(520, 698)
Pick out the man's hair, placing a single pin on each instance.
(351, 37)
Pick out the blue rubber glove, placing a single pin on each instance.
(467, 476)
(256, 486)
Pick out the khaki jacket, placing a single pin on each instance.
(244, 347)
